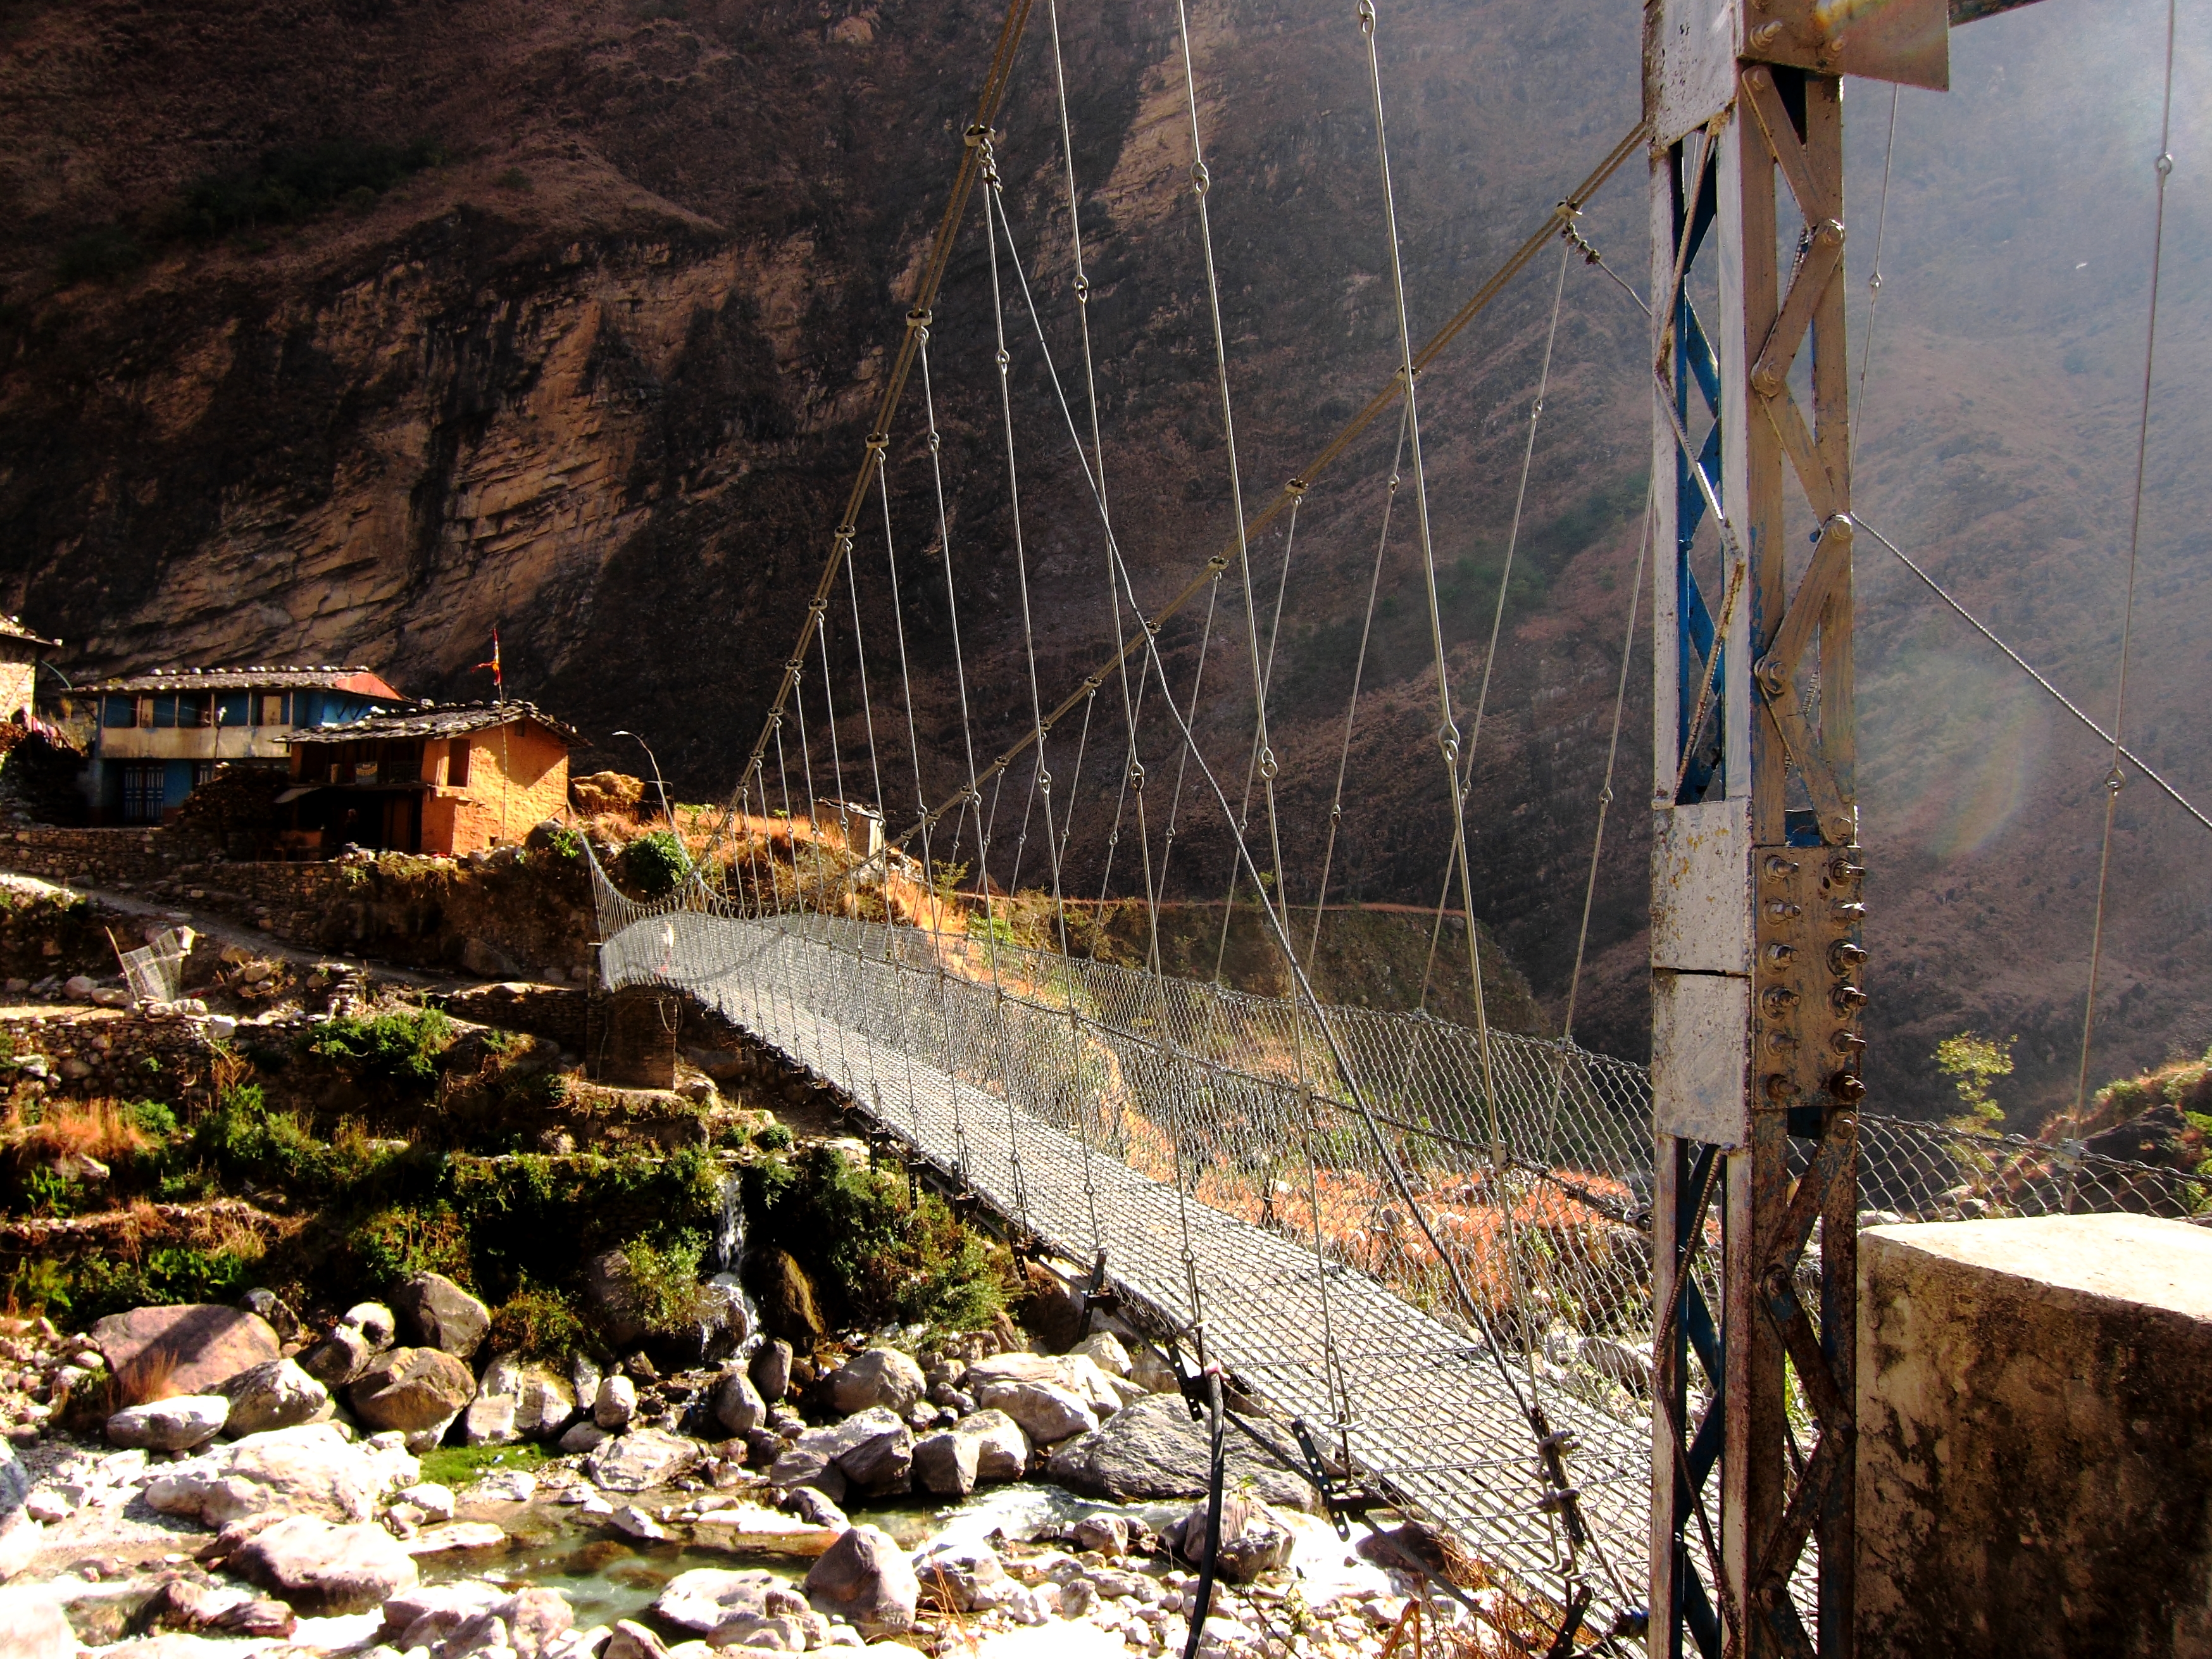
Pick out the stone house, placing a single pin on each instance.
(160, 736)
(19, 651)
(446, 781)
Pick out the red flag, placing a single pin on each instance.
(498, 678)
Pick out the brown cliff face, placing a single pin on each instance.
(601, 376)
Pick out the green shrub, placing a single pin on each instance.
(401, 1240)
(37, 1284)
(884, 1253)
(401, 1047)
(152, 1117)
(513, 178)
(100, 1286)
(654, 863)
(664, 1278)
(244, 1138)
(772, 1138)
(538, 1321)
(567, 844)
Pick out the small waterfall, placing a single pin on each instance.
(728, 1257)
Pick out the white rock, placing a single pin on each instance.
(434, 1501)
(177, 1425)
(637, 1523)
(1104, 1349)
(33, 1626)
(617, 1403)
(307, 1469)
(503, 1486)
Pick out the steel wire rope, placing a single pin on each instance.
(929, 920)
(876, 442)
(1263, 751)
(1351, 705)
(1874, 278)
(1201, 183)
(1462, 790)
(838, 778)
(1436, 345)
(995, 78)
(2033, 673)
(1597, 836)
(1252, 761)
(972, 797)
(1081, 288)
(1447, 742)
(1197, 680)
(1476, 1314)
(2114, 778)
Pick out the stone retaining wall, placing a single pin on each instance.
(511, 915)
(95, 1052)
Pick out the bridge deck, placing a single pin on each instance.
(1432, 1417)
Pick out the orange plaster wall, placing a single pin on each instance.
(518, 778)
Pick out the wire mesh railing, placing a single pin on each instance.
(1368, 1269)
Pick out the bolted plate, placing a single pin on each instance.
(1906, 42)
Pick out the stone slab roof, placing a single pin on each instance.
(364, 681)
(429, 720)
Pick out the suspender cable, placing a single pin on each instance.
(1252, 761)
(1352, 706)
(2114, 778)
(932, 275)
(1461, 789)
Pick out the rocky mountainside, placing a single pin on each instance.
(346, 334)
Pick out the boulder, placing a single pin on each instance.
(445, 1317)
(33, 1626)
(640, 1459)
(308, 1469)
(275, 1395)
(1252, 1539)
(632, 1640)
(339, 1358)
(581, 1438)
(417, 1391)
(881, 1376)
(1047, 1412)
(708, 1598)
(864, 1577)
(1104, 1349)
(612, 1302)
(874, 1450)
(458, 1537)
(617, 1403)
(374, 1321)
(503, 1486)
(535, 1619)
(322, 1568)
(490, 1421)
(1152, 1450)
(789, 1308)
(1108, 1534)
(964, 1577)
(738, 1407)
(945, 1463)
(423, 1616)
(174, 1425)
(544, 1403)
(271, 1306)
(1002, 1451)
(1076, 1373)
(191, 1348)
(434, 1501)
(1150, 1371)
(771, 1369)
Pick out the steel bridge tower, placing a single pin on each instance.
(1757, 988)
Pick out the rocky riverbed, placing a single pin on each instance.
(280, 1488)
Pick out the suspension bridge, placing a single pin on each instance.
(1593, 1320)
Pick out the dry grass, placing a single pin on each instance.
(72, 1129)
(149, 1376)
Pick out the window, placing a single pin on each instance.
(142, 794)
(119, 712)
(202, 771)
(457, 767)
(337, 771)
(145, 716)
(364, 771)
(195, 711)
(272, 709)
(231, 710)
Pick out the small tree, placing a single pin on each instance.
(1973, 1063)
(654, 863)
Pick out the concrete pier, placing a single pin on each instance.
(2035, 1450)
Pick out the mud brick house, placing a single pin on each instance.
(19, 651)
(160, 736)
(426, 779)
